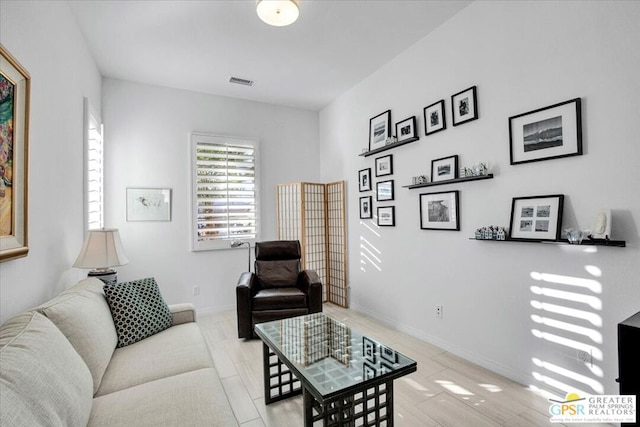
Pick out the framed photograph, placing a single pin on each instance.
(15, 86)
(464, 106)
(386, 216)
(379, 130)
(406, 129)
(444, 169)
(547, 133)
(537, 217)
(384, 165)
(439, 211)
(148, 204)
(384, 191)
(366, 207)
(364, 180)
(434, 118)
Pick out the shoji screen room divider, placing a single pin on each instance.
(314, 214)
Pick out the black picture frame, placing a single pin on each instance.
(386, 216)
(364, 180)
(444, 169)
(440, 211)
(537, 218)
(366, 207)
(434, 118)
(547, 133)
(384, 165)
(464, 106)
(379, 130)
(406, 130)
(385, 191)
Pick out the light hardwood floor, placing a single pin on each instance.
(445, 391)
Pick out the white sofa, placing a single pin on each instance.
(59, 366)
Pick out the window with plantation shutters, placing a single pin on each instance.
(94, 190)
(224, 190)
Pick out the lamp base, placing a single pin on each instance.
(109, 277)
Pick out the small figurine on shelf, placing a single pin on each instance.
(491, 233)
(501, 234)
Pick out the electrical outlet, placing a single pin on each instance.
(584, 357)
(196, 291)
(439, 311)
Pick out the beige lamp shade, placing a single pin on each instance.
(102, 249)
(278, 13)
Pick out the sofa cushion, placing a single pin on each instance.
(43, 380)
(279, 299)
(83, 316)
(193, 399)
(138, 310)
(176, 350)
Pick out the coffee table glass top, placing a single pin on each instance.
(329, 356)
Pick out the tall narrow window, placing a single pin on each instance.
(94, 183)
(224, 186)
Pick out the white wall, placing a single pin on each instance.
(44, 38)
(521, 56)
(147, 145)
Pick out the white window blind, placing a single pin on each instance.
(94, 171)
(224, 190)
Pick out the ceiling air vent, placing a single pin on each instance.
(239, 81)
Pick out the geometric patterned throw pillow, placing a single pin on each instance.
(138, 310)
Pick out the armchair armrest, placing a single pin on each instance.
(244, 293)
(311, 285)
(182, 313)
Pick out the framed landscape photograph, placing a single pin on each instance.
(148, 204)
(379, 130)
(536, 217)
(384, 165)
(386, 216)
(547, 133)
(15, 86)
(384, 191)
(364, 180)
(366, 207)
(439, 211)
(464, 106)
(406, 129)
(434, 118)
(444, 169)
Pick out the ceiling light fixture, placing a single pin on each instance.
(278, 13)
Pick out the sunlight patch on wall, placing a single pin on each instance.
(369, 254)
(595, 385)
(566, 318)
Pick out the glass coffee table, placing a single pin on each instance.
(345, 377)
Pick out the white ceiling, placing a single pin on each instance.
(199, 45)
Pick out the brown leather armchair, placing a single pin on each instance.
(278, 289)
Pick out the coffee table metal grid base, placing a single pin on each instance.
(279, 381)
(372, 407)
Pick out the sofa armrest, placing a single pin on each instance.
(311, 285)
(182, 313)
(244, 292)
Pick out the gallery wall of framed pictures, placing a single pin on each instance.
(545, 133)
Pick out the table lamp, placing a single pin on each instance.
(101, 250)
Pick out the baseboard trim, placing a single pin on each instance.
(505, 371)
(214, 309)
